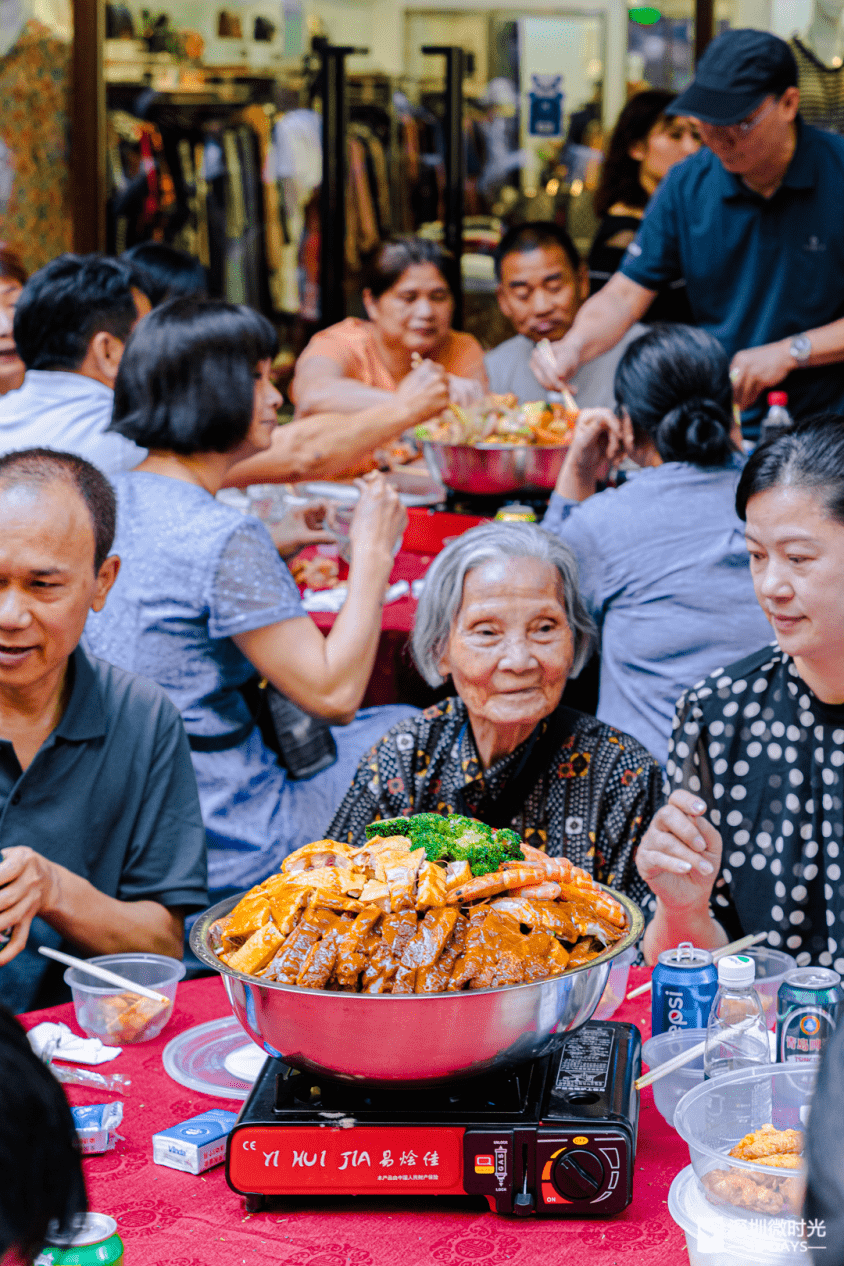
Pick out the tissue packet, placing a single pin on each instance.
(96, 1125)
(196, 1144)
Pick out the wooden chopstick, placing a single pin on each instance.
(102, 973)
(686, 1057)
(736, 947)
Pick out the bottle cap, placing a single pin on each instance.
(777, 397)
(736, 969)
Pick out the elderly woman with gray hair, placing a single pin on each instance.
(501, 615)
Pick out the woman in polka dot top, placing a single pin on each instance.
(752, 836)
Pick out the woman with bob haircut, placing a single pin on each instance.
(752, 836)
(663, 564)
(645, 144)
(204, 604)
(501, 615)
(359, 364)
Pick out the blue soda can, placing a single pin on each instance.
(684, 985)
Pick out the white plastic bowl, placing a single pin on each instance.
(771, 968)
(715, 1238)
(669, 1090)
(717, 1114)
(103, 1010)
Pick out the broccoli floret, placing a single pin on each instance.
(510, 841)
(391, 826)
(466, 832)
(454, 838)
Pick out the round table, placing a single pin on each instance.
(177, 1219)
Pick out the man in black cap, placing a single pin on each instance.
(754, 224)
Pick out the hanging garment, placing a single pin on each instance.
(821, 89)
(36, 218)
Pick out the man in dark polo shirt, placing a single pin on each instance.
(754, 222)
(103, 847)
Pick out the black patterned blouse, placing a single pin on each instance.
(767, 757)
(592, 803)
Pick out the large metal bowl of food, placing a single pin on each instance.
(409, 1038)
(495, 468)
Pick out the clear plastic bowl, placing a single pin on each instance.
(717, 1114)
(616, 986)
(771, 968)
(118, 1017)
(669, 1090)
(714, 1237)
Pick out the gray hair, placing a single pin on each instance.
(443, 593)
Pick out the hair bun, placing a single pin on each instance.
(696, 431)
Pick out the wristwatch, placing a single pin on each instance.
(801, 348)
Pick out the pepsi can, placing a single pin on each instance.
(808, 1009)
(683, 987)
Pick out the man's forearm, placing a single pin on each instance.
(103, 925)
(606, 317)
(321, 447)
(669, 927)
(827, 344)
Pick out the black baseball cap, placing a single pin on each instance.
(736, 73)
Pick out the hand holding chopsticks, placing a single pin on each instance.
(735, 947)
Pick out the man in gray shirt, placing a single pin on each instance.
(541, 284)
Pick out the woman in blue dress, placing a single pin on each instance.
(204, 603)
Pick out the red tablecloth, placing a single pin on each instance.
(173, 1219)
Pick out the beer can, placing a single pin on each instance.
(683, 987)
(95, 1242)
(808, 1009)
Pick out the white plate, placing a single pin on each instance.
(216, 1058)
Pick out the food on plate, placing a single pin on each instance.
(316, 573)
(772, 1193)
(122, 1018)
(447, 904)
(502, 420)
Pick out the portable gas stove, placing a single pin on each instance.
(487, 505)
(556, 1137)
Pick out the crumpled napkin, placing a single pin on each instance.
(70, 1048)
(333, 599)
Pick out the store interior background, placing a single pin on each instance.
(602, 53)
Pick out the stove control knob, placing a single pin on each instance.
(578, 1175)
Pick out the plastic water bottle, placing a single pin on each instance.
(778, 418)
(736, 1035)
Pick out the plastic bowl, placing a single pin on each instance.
(616, 986)
(118, 1017)
(715, 1115)
(714, 1237)
(771, 968)
(669, 1090)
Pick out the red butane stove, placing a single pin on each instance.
(556, 1137)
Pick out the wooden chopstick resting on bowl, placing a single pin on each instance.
(102, 973)
(686, 1057)
(735, 947)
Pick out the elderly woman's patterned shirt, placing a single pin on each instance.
(591, 803)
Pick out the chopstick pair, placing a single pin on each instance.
(102, 973)
(735, 947)
(545, 350)
(686, 1057)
